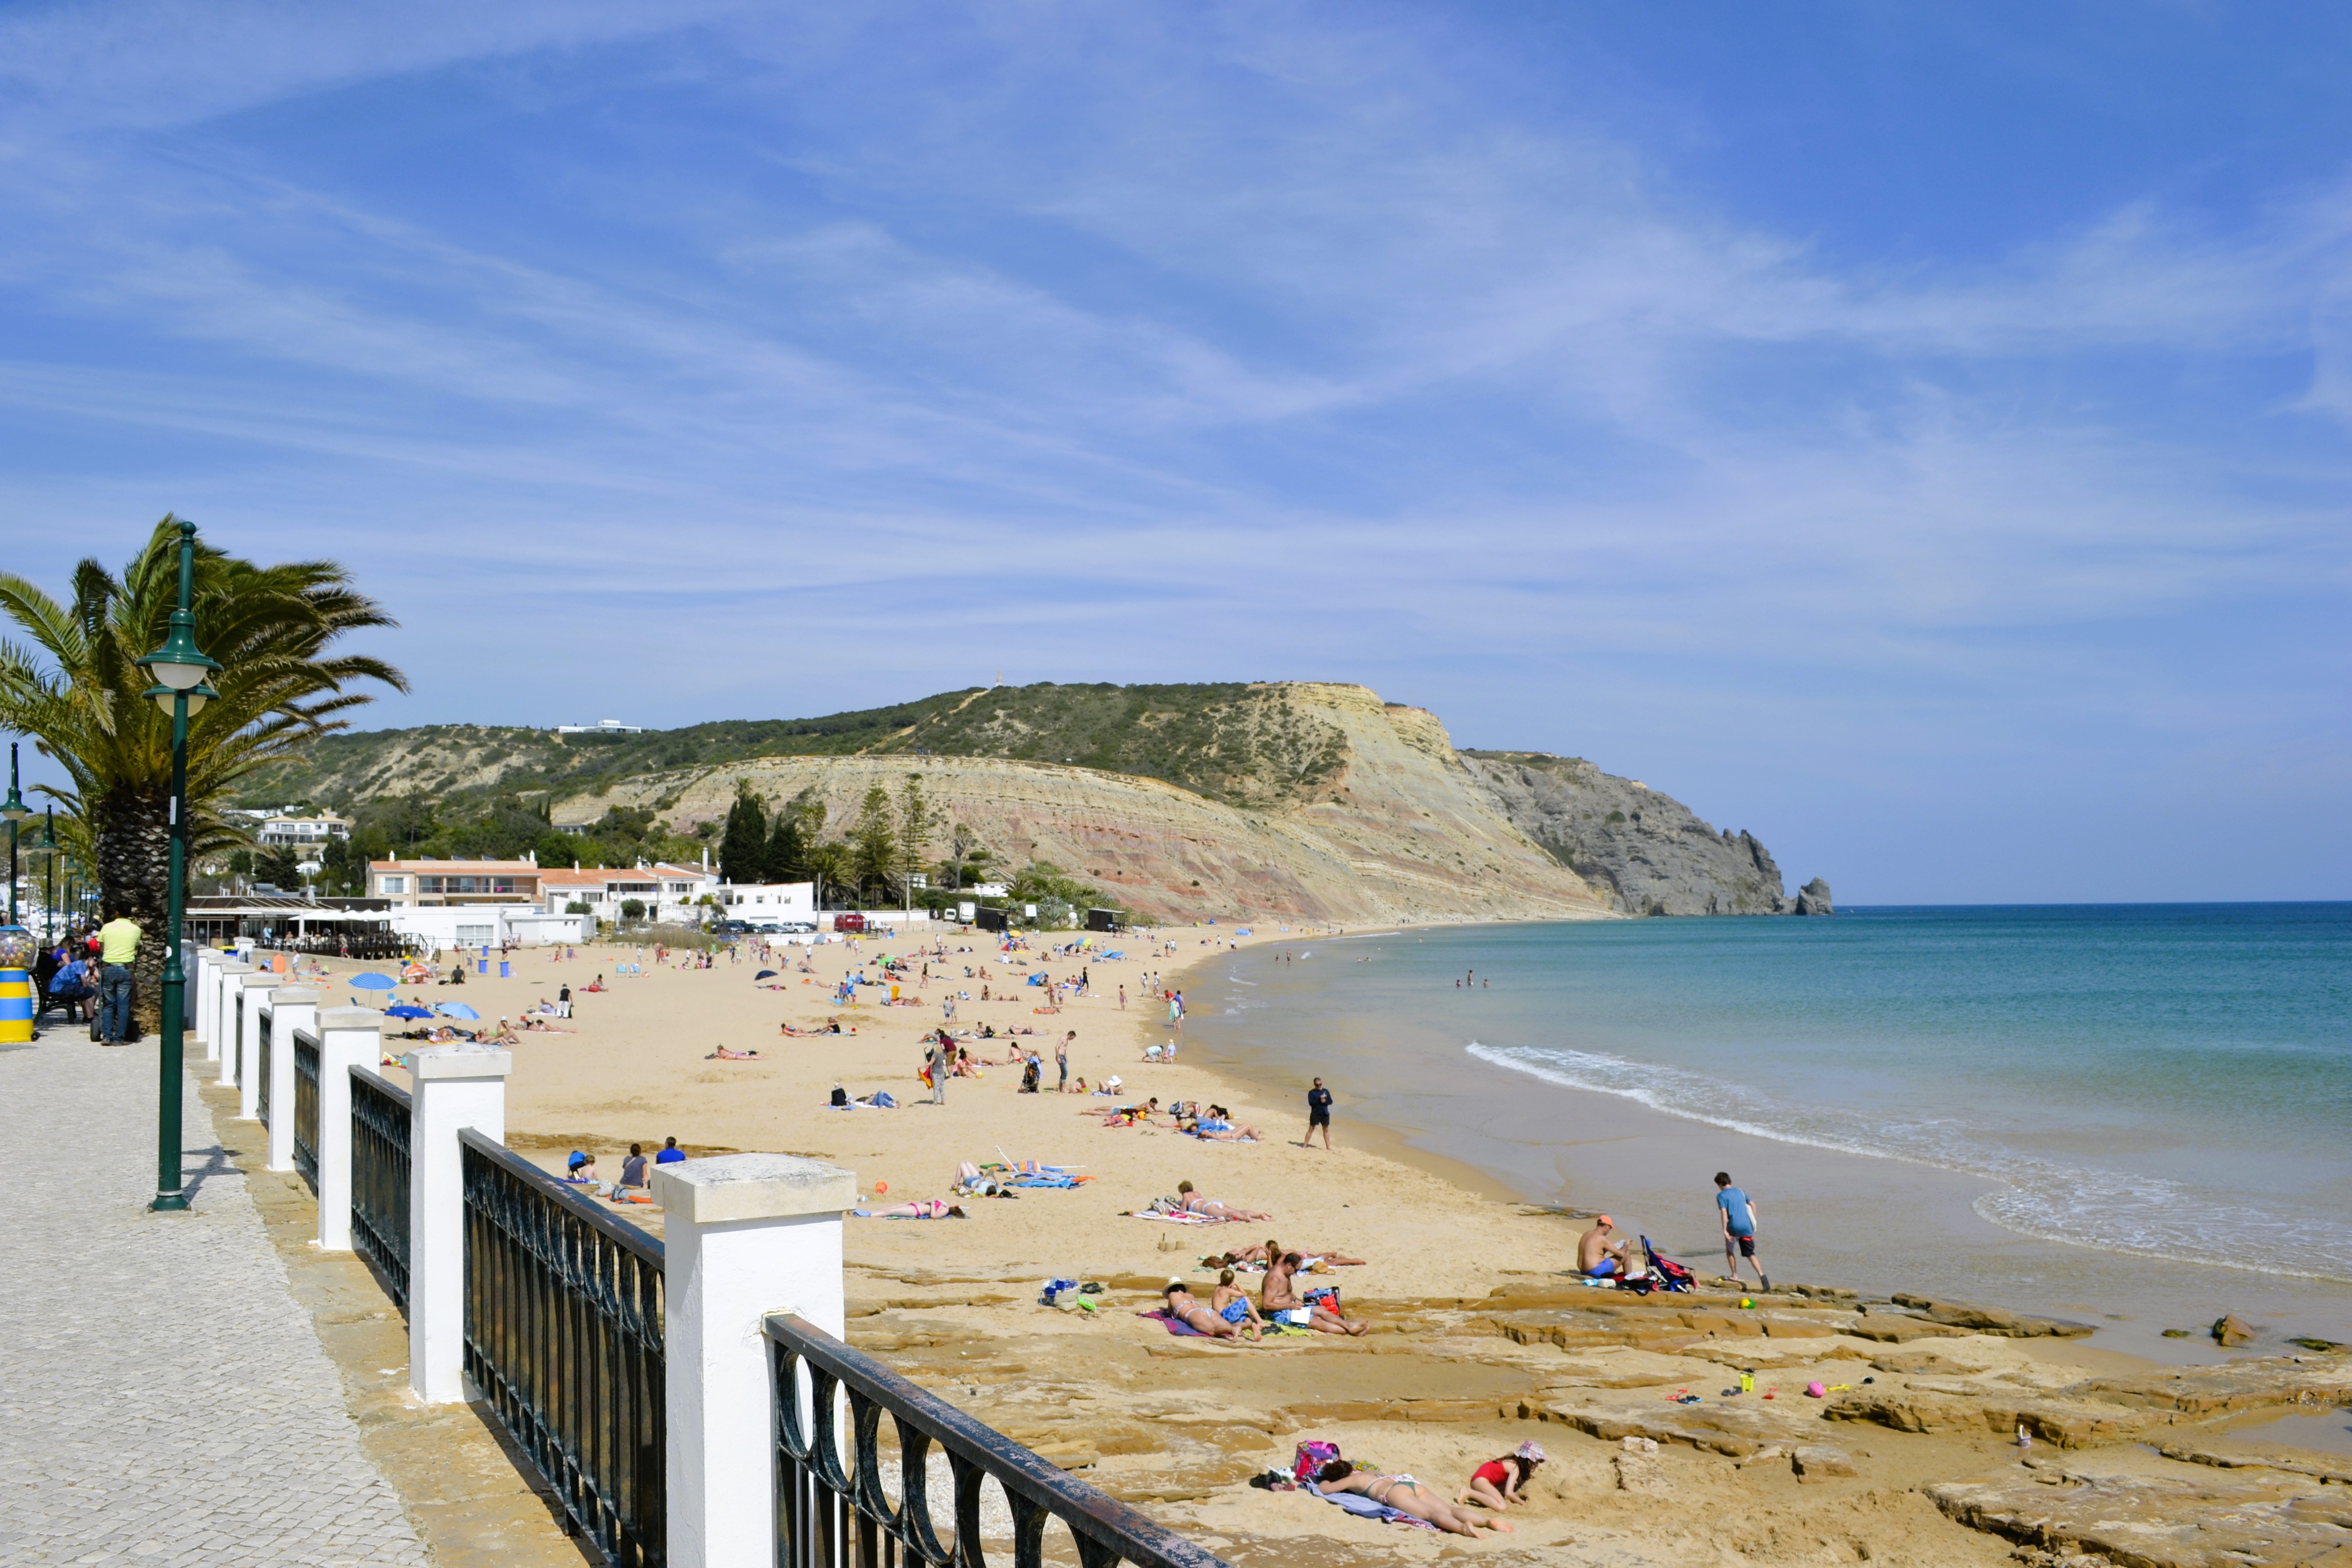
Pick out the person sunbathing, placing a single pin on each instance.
(1232, 1304)
(1279, 1300)
(1185, 1308)
(723, 1055)
(1406, 1495)
(1225, 1132)
(921, 1208)
(1213, 1208)
(1597, 1256)
(1498, 1483)
(1310, 1258)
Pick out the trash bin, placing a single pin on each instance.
(506, 970)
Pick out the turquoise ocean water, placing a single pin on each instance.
(2173, 1082)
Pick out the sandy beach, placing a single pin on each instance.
(1480, 1342)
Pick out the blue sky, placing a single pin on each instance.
(1917, 434)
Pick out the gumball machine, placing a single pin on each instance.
(16, 999)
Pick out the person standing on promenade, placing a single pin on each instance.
(118, 949)
(1739, 1211)
(1318, 1114)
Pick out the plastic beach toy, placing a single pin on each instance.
(1815, 1391)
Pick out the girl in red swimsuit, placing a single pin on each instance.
(1497, 1482)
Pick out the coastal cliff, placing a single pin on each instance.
(1646, 853)
(1277, 799)
(1376, 820)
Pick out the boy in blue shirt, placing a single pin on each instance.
(1738, 1211)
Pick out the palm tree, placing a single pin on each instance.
(78, 689)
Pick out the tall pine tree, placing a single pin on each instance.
(743, 849)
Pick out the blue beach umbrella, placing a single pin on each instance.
(457, 1010)
(373, 982)
(408, 1010)
(763, 975)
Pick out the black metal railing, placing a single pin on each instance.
(380, 1122)
(306, 1108)
(833, 1516)
(563, 1336)
(261, 1103)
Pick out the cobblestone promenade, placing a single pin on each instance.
(163, 1398)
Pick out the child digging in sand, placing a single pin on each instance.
(1497, 1483)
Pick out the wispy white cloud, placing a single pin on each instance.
(1258, 342)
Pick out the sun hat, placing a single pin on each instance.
(1532, 1452)
(578, 1158)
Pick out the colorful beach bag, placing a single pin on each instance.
(1309, 1458)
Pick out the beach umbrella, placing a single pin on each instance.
(408, 1010)
(763, 975)
(457, 1010)
(373, 982)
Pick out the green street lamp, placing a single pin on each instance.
(179, 668)
(14, 810)
(49, 887)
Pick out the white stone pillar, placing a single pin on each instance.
(746, 1234)
(199, 1005)
(348, 1038)
(227, 975)
(453, 1088)
(252, 995)
(291, 1007)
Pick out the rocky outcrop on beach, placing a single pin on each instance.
(1647, 853)
(1813, 899)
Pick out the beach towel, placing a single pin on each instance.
(1363, 1507)
(1174, 1326)
(1173, 1218)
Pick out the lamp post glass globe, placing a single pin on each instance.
(197, 697)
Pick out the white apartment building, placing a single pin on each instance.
(306, 836)
(759, 904)
(670, 893)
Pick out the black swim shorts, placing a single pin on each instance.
(1747, 1245)
(1318, 1119)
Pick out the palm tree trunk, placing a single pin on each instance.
(134, 866)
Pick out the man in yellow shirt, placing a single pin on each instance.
(118, 948)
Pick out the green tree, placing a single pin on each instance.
(832, 867)
(76, 687)
(798, 823)
(874, 842)
(916, 820)
(743, 849)
(281, 868)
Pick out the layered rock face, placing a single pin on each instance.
(1646, 853)
(1388, 827)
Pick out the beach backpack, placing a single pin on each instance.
(1307, 1461)
(1673, 1276)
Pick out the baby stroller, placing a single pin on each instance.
(1665, 1274)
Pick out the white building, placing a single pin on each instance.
(601, 727)
(489, 925)
(672, 894)
(306, 836)
(762, 903)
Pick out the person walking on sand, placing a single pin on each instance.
(1062, 1061)
(1318, 1114)
(935, 1061)
(1738, 1213)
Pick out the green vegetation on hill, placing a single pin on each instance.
(1241, 744)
